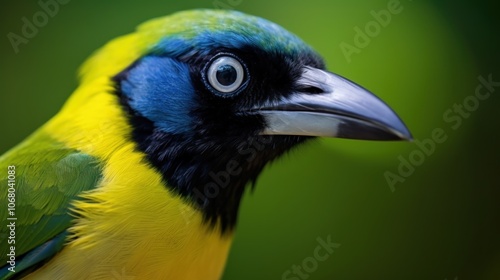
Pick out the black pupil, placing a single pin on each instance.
(226, 75)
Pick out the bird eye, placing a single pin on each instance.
(225, 74)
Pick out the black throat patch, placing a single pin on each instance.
(211, 173)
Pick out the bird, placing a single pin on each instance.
(142, 171)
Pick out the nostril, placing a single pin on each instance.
(311, 90)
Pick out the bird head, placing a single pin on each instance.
(217, 95)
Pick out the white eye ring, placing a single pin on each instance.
(225, 74)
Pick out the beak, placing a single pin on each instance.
(332, 106)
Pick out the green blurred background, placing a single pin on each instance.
(442, 222)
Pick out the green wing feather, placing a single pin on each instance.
(48, 177)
